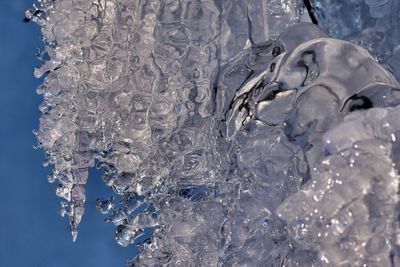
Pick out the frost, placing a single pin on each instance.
(230, 133)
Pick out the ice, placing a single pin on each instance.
(104, 206)
(356, 185)
(373, 24)
(229, 133)
(317, 80)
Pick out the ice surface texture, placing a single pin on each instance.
(373, 24)
(235, 139)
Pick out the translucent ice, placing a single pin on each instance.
(373, 24)
(231, 137)
(286, 126)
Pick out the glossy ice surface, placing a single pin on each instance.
(232, 134)
(373, 24)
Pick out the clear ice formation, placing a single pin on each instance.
(373, 24)
(231, 132)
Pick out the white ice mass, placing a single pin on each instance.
(231, 133)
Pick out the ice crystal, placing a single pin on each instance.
(233, 134)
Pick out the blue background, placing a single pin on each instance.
(32, 234)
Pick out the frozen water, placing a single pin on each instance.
(286, 130)
(233, 135)
(373, 24)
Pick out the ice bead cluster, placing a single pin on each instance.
(373, 24)
(229, 133)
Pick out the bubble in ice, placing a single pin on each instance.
(230, 133)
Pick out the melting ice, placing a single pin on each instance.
(230, 133)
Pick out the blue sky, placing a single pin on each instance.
(32, 234)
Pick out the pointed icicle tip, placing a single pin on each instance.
(74, 229)
(74, 235)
